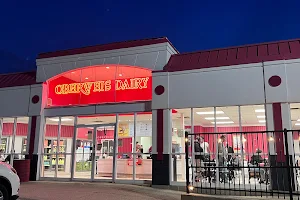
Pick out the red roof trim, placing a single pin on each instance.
(255, 53)
(105, 47)
(17, 79)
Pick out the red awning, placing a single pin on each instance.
(255, 53)
(17, 79)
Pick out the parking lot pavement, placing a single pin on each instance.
(92, 191)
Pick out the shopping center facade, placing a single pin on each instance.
(118, 112)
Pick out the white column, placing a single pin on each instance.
(39, 143)
(270, 127)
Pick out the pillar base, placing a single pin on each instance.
(33, 167)
(279, 178)
(160, 170)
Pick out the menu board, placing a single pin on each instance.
(143, 129)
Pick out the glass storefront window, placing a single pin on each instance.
(236, 128)
(13, 143)
(181, 122)
(143, 169)
(97, 138)
(56, 148)
(125, 140)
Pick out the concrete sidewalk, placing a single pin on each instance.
(92, 191)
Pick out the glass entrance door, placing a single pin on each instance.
(83, 157)
(94, 151)
(104, 152)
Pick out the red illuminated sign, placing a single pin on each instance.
(100, 86)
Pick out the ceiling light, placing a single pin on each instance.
(86, 78)
(297, 124)
(210, 113)
(62, 119)
(73, 72)
(212, 118)
(120, 74)
(261, 116)
(262, 121)
(260, 110)
(226, 122)
(107, 67)
(298, 120)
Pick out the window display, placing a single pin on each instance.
(51, 154)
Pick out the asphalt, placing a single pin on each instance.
(92, 191)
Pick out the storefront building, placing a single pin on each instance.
(118, 112)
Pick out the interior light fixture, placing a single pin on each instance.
(298, 120)
(260, 110)
(212, 118)
(297, 124)
(120, 75)
(271, 139)
(73, 72)
(190, 188)
(210, 113)
(62, 119)
(225, 122)
(261, 116)
(107, 67)
(86, 78)
(262, 121)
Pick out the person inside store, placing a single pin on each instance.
(205, 147)
(150, 152)
(2, 159)
(254, 167)
(222, 159)
(141, 149)
(138, 150)
(198, 157)
(256, 159)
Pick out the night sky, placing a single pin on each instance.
(31, 27)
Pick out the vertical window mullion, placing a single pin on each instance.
(192, 142)
(12, 151)
(134, 146)
(1, 130)
(115, 150)
(57, 146)
(73, 152)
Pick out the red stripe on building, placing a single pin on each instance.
(279, 141)
(160, 134)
